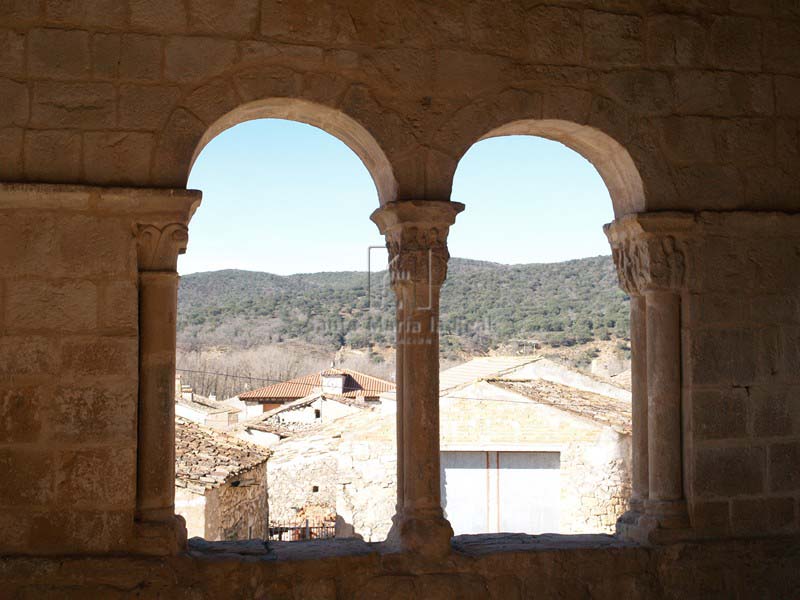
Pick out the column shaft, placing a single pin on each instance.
(640, 477)
(664, 408)
(158, 294)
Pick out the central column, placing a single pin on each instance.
(416, 237)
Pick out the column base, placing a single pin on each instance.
(426, 535)
(663, 522)
(160, 538)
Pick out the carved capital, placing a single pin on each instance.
(416, 237)
(159, 245)
(647, 257)
(656, 263)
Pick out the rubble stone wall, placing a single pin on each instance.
(239, 512)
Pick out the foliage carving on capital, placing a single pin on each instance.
(158, 246)
(416, 238)
(652, 262)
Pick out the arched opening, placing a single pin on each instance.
(536, 416)
(276, 356)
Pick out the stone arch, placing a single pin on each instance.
(321, 100)
(594, 126)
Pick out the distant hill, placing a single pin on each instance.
(483, 305)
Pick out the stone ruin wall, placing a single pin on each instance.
(239, 512)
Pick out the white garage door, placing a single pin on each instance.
(488, 492)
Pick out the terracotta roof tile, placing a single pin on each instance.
(356, 385)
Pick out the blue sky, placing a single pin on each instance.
(285, 197)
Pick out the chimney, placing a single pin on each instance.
(333, 382)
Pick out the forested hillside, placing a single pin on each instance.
(483, 305)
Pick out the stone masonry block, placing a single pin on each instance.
(711, 517)
(119, 307)
(21, 414)
(687, 139)
(12, 53)
(238, 18)
(99, 413)
(27, 241)
(191, 58)
(762, 516)
(722, 357)
(118, 158)
(646, 92)
(53, 156)
(787, 95)
(28, 357)
(97, 356)
(49, 305)
(14, 100)
(93, 13)
(719, 415)
(612, 39)
(146, 107)
(140, 57)
(61, 531)
(717, 187)
(784, 467)
(59, 54)
(674, 40)
(76, 105)
(729, 471)
(736, 43)
(723, 94)
(96, 477)
(159, 15)
(11, 154)
(28, 476)
(555, 35)
(19, 12)
(745, 142)
(106, 49)
(782, 46)
(93, 246)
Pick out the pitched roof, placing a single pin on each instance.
(601, 409)
(206, 458)
(356, 385)
(484, 367)
(206, 405)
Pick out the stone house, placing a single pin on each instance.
(549, 449)
(344, 383)
(220, 484)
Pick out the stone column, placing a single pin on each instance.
(158, 246)
(416, 237)
(650, 264)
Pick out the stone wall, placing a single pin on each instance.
(68, 372)
(239, 512)
(480, 567)
(742, 373)
(595, 461)
(297, 465)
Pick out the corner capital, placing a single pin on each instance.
(159, 244)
